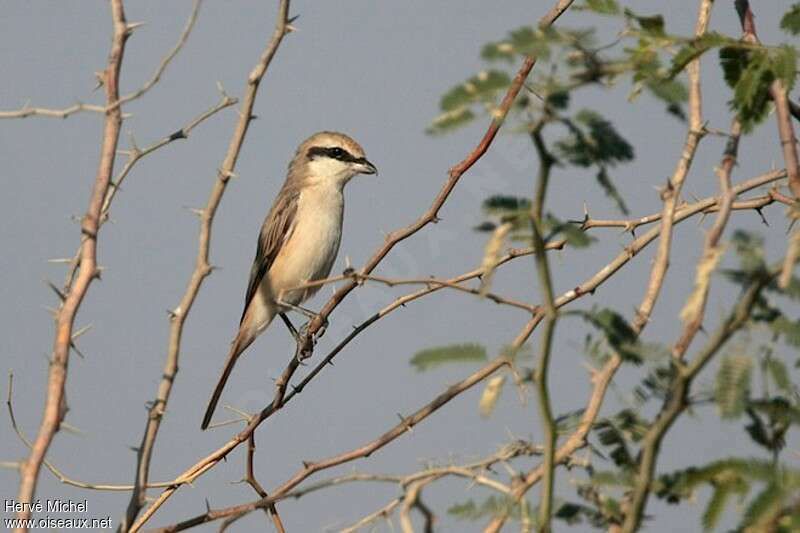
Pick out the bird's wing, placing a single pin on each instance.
(275, 232)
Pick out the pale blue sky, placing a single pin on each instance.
(375, 70)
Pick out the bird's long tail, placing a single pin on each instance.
(239, 345)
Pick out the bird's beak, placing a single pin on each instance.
(365, 167)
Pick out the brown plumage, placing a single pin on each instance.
(299, 239)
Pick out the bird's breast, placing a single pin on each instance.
(311, 249)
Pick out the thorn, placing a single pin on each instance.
(221, 89)
(74, 348)
(208, 506)
(60, 260)
(405, 422)
(134, 147)
(56, 290)
(330, 362)
(763, 218)
(307, 464)
(100, 77)
(180, 134)
(131, 26)
(226, 174)
(81, 331)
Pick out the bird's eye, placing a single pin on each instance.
(336, 153)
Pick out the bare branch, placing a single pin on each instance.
(202, 269)
(55, 403)
(27, 111)
(676, 402)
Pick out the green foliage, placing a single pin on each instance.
(750, 72)
(491, 506)
(617, 431)
(736, 477)
(694, 48)
(456, 353)
(652, 25)
(514, 210)
(456, 103)
(791, 20)
(603, 7)
(593, 141)
(618, 333)
(732, 387)
(570, 232)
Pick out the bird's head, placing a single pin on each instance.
(331, 156)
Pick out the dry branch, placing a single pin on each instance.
(430, 216)
(201, 271)
(55, 403)
(27, 111)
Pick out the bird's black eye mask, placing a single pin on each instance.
(334, 153)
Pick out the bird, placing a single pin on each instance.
(299, 240)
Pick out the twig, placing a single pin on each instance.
(251, 480)
(455, 174)
(134, 156)
(546, 162)
(783, 114)
(601, 379)
(27, 111)
(202, 269)
(156, 77)
(671, 193)
(63, 478)
(694, 310)
(309, 468)
(430, 216)
(55, 403)
(676, 402)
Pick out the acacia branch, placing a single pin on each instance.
(601, 378)
(55, 403)
(783, 115)
(671, 193)
(430, 216)
(694, 311)
(63, 478)
(27, 111)
(455, 174)
(677, 401)
(546, 162)
(309, 468)
(135, 154)
(201, 271)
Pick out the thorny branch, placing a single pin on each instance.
(55, 403)
(677, 402)
(27, 111)
(670, 215)
(135, 154)
(430, 216)
(601, 379)
(546, 162)
(201, 271)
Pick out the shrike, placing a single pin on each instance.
(299, 239)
